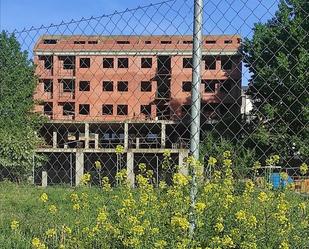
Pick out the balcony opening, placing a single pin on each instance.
(186, 111)
(48, 61)
(146, 86)
(186, 86)
(123, 42)
(68, 62)
(84, 109)
(228, 41)
(226, 63)
(107, 109)
(68, 85)
(210, 85)
(48, 108)
(79, 42)
(108, 62)
(226, 86)
(147, 42)
(48, 85)
(146, 110)
(187, 62)
(122, 86)
(210, 62)
(92, 42)
(68, 109)
(146, 62)
(187, 42)
(50, 41)
(84, 62)
(84, 86)
(122, 110)
(108, 86)
(164, 64)
(163, 112)
(123, 62)
(210, 42)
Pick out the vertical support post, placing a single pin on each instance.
(79, 167)
(86, 135)
(130, 169)
(182, 155)
(54, 139)
(163, 135)
(126, 135)
(195, 106)
(44, 178)
(96, 141)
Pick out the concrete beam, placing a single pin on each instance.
(86, 135)
(183, 168)
(54, 139)
(79, 167)
(163, 135)
(130, 169)
(126, 135)
(44, 178)
(96, 141)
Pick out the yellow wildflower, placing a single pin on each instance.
(227, 241)
(74, 197)
(52, 209)
(160, 244)
(180, 179)
(119, 149)
(50, 232)
(227, 154)
(218, 227)
(263, 197)
(44, 197)
(86, 178)
(37, 244)
(76, 207)
(138, 230)
(200, 206)
(227, 162)
(303, 168)
(180, 222)
(102, 216)
(14, 225)
(240, 215)
(105, 184)
(284, 176)
(284, 245)
(256, 165)
(249, 186)
(67, 229)
(142, 167)
(97, 165)
(302, 206)
(212, 161)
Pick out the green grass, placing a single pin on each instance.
(21, 202)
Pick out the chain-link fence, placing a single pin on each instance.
(116, 90)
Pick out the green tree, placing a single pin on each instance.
(18, 124)
(278, 59)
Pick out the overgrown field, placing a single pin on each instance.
(227, 214)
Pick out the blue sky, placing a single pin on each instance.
(172, 17)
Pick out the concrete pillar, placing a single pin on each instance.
(183, 168)
(126, 135)
(87, 135)
(96, 141)
(137, 143)
(79, 167)
(54, 139)
(163, 135)
(44, 178)
(130, 169)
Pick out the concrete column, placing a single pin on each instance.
(130, 169)
(87, 135)
(44, 178)
(126, 135)
(96, 141)
(163, 135)
(54, 139)
(183, 168)
(137, 143)
(79, 167)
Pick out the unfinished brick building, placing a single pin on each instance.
(103, 91)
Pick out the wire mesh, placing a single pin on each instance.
(116, 89)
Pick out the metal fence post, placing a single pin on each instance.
(195, 104)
